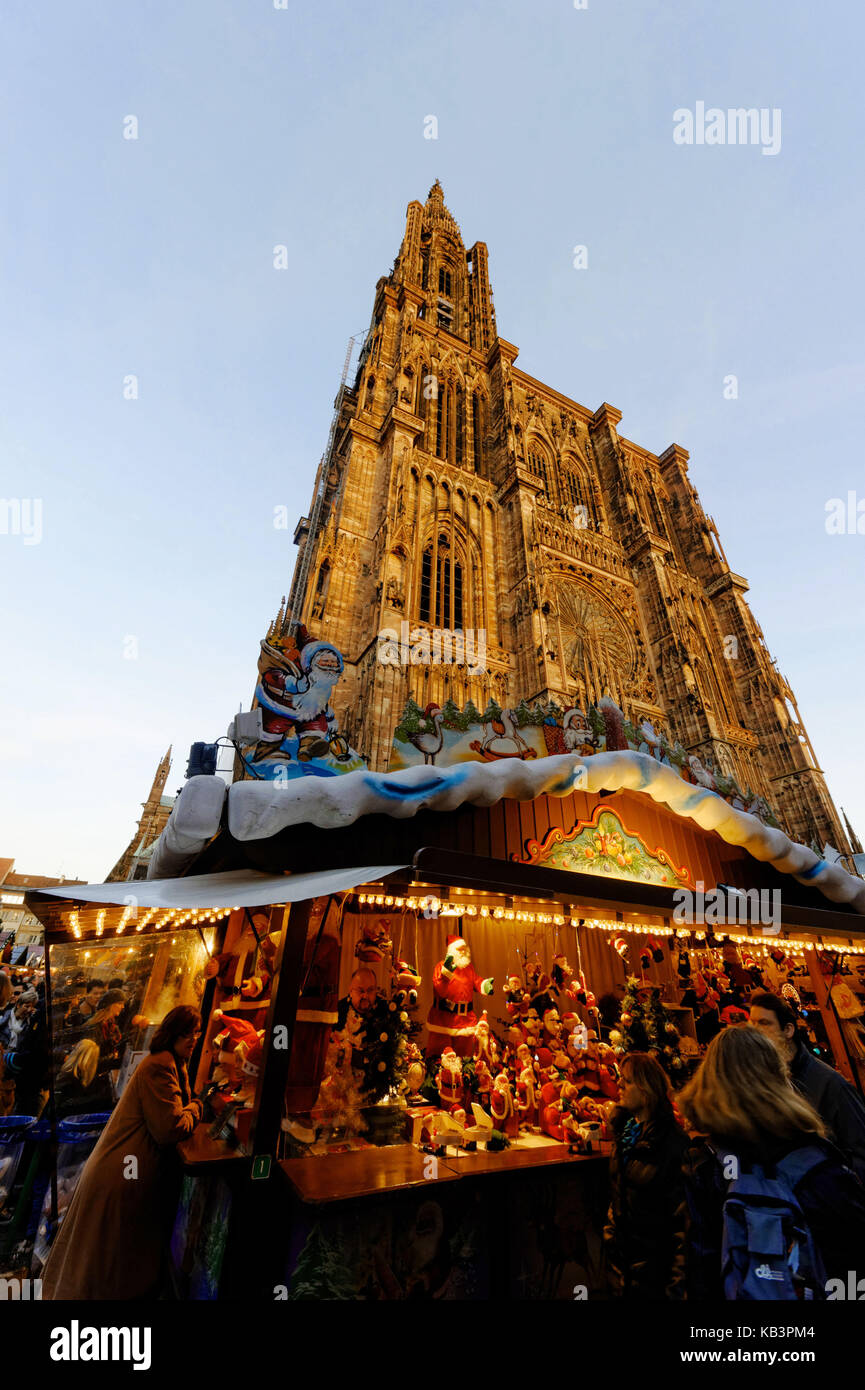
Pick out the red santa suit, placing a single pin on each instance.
(451, 1019)
(449, 1083)
(527, 1107)
(502, 1109)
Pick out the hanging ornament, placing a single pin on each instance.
(621, 945)
(654, 945)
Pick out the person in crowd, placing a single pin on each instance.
(88, 1005)
(16, 1019)
(23, 1038)
(644, 1238)
(78, 1090)
(5, 993)
(104, 1029)
(362, 993)
(741, 1102)
(609, 1012)
(356, 1009)
(113, 1239)
(837, 1102)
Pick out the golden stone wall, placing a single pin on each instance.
(463, 494)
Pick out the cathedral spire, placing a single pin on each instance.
(438, 217)
(161, 776)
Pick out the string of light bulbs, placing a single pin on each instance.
(436, 907)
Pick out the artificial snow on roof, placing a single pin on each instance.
(258, 810)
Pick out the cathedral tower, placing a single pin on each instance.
(458, 493)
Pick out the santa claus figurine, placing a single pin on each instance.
(449, 1081)
(452, 1020)
(484, 1079)
(527, 1106)
(502, 1106)
(485, 1047)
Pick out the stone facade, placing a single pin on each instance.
(460, 493)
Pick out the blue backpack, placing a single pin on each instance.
(767, 1250)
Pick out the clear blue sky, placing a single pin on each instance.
(305, 127)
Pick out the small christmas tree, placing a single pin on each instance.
(645, 1026)
(471, 715)
(523, 714)
(596, 722)
(411, 719)
(492, 711)
(451, 717)
(321, 1272)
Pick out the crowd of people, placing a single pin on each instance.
(746, 1184)
(94, 1021)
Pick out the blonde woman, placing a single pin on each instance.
(77, 1090)
(751, 1123)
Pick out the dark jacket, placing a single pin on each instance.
(644, 1238)
(837, 1103)
(831, 1198)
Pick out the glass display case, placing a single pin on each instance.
(107, 999)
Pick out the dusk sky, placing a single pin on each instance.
(132, 612)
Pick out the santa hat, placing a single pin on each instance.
(233, 1032)
(455, 939)
(654, 946)
(620, 945)
(251, 1052)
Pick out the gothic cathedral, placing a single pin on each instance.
(458, 493)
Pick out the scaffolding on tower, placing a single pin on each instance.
(301, 574)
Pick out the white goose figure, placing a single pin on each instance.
(430, 743)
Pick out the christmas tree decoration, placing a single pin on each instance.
(645, 1026)
(620, 945)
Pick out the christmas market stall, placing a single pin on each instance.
(418, 985)
(438, 1063)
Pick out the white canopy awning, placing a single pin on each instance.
(240, 888)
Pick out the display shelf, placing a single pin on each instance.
(364, 1173)
(200, 1151)
(515, 1159)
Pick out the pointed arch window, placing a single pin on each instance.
(440, 587)
(539, 467)
(478, 430)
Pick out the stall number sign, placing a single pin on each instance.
(261, 1166)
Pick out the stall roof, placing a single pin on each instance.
(258, 810)
(238, 888)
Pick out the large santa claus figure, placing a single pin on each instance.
(294, 692)
(452, 1020)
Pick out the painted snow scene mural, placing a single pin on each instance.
(444, 735)
(605, 846)
(299, 735)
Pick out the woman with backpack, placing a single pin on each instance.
(774, 1211)
(644, 1238)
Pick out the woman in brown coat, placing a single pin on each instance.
(113, 1240)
